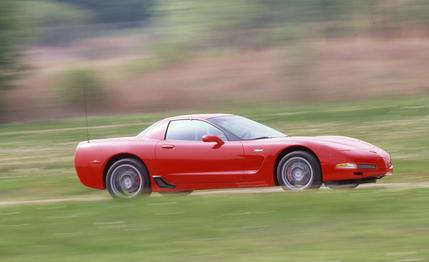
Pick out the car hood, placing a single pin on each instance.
(337, 142)
(111, 140)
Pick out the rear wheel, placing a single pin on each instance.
(299, 170)
(127, 178)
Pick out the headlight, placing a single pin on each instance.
(346, 166)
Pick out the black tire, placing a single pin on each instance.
(299, 170)
(127, 178)
(178, 193)
(342, 186)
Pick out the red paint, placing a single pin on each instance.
(214, 164)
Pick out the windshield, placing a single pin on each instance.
(244, 128)
(152, 129)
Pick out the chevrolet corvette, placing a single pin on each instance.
(213, 151)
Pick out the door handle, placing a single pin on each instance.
(167, 146)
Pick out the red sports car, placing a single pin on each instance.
(212, 151)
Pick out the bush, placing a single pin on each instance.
(78, 84)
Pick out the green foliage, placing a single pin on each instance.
(112, 11)
(418, 11)
(9, 37)
(192, 20)
(62, 21)
(49, 22)
(51, 13)
(169, 53)
(163, 54)
(79, 84)
(10, 34)
(242, 22)
(143, 66)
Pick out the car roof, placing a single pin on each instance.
(197, 116)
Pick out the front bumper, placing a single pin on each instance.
(372, 167)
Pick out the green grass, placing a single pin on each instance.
(36, 158)
(363, 225)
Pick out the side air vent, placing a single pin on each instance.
(162, 183)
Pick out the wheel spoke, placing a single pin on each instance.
(126, 181)
(297, 173)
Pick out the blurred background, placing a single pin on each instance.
(158, 55)
(357, 68)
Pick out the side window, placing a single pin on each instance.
(192, 130)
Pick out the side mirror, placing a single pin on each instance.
(213, 139)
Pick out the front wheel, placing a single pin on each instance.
(299, 170)
(127, 178)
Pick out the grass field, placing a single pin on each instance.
(36, 162)
(362, 225)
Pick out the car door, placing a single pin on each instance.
(183, 159)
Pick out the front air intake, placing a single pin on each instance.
(366, 166)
